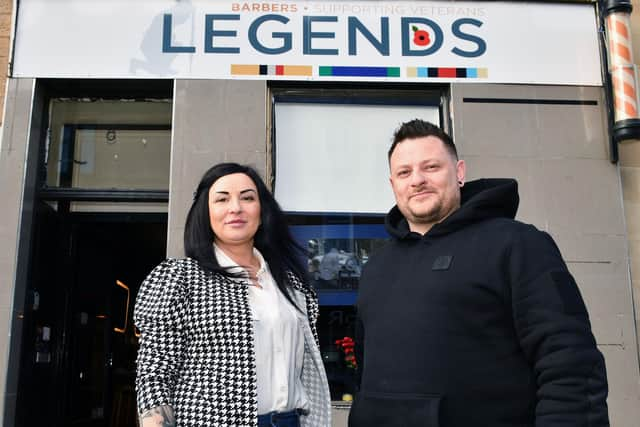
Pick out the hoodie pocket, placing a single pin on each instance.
(395, 410)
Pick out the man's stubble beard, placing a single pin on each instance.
(436, 213)
(432, 215)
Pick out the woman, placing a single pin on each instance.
(228, 334)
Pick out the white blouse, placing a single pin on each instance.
(278, 338)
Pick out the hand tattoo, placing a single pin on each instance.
(160, 416)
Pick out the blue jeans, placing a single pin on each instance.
(280, 419)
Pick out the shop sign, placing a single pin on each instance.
(487, 42)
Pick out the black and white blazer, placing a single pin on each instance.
(197, 353)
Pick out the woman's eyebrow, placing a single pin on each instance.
(242, 192)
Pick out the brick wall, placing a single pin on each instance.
(5, 37)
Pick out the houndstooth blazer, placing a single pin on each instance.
(197, 353)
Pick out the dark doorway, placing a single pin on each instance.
(80, 343)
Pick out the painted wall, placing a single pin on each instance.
(630, 177)
(569, 188)
(13, 155)
(214, 121)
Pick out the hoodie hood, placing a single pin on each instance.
(480, 199)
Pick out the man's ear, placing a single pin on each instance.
(461, 171)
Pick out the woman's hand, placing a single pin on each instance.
(160, 416)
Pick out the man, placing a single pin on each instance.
(469, 317)
(330, 269)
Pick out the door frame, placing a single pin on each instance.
(36, 94)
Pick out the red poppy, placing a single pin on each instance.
(420, 37)
(346, 344)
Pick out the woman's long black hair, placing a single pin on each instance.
(272, 239)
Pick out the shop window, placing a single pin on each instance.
(120, 157)
(96, 144)
(337, 249)
(331, 177)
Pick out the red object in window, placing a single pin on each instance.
(346, 345)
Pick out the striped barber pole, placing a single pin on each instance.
(621, 67)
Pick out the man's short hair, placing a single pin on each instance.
(417, 128)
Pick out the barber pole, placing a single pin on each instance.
(622, 69)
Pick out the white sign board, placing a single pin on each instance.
(434, 41)
(340, 166)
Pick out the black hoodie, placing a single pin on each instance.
(476, 323)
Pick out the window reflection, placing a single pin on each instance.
(338, 247)
(334, 324)
(337, 263)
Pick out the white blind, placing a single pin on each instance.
(333, 157)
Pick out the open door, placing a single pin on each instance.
(87, 268)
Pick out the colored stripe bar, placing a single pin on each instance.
(245, 70)
(271, 70)
(297, 70)
(359, 71)
(448, 72)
